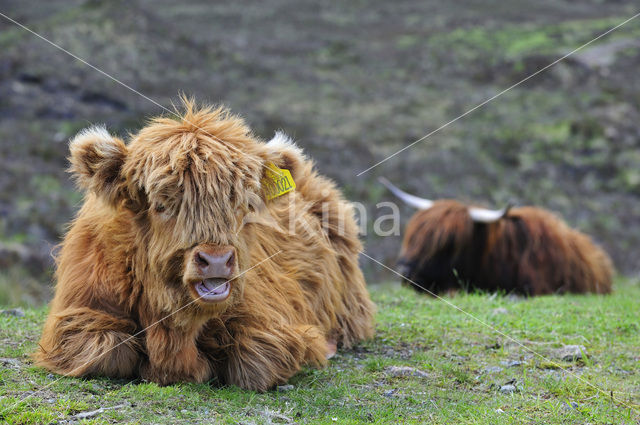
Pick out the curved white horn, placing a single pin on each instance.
(412, 201)
(482, 215)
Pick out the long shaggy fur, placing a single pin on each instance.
(529, 251)
(180, 184)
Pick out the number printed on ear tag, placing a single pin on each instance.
(276, 181)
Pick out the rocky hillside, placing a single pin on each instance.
(352, 82)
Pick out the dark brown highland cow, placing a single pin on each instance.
(448, 245)
(166, 273)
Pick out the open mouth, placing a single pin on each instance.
(213, 289)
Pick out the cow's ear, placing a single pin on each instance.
(96, 163)
(283, 152)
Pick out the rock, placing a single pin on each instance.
(571, 353)
(499, 310)
(604, 54)
(10, 362)
(16, 312)
(284, 388)
(13, 253)
(405, 371)
(499, 410)
(508, 389)
(388, 393)
(493, 369)
(511, 363)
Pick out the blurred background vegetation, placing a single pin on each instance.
(352, 82)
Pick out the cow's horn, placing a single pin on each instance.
(482, 215)
(413, 201)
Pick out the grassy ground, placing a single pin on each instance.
(464, 363)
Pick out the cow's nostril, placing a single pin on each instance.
(231, 260)
(201, 260)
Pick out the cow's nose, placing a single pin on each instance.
(213, 264)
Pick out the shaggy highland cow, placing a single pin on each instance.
(169, 272)
(448, 245)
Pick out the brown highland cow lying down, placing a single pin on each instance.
(448, 245)
(179, 267)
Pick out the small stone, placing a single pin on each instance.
(60, 137)
(498, 410)
(508, 389)
(493, 369)
(15, 312)
(499, 310)
(511, 363)
(388, 393)
(10, 362)
(572, 405)
(398, 371)
(284, 388)
(571, 353)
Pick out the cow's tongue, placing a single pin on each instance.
(213, 289)
(215, 286)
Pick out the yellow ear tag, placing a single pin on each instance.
(276, 181)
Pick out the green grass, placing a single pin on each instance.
(515, 41)
(466, 363)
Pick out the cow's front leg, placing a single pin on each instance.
(262, 358)
(86, 342)
(173, 357)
